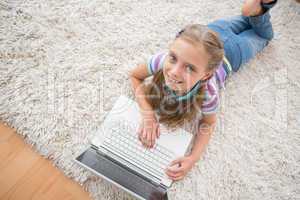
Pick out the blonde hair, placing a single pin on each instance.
(184, 111)
(201, 35)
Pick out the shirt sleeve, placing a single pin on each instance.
(156, 62)
(211, 102)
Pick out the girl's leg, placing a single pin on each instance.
(240, 48)
(261, 24)
(252, 41)
(235, 24)
(227, 29)
(238, 24)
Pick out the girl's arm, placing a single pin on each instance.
(137, 76)
(181, 166)
(206, 128)
(149, 127)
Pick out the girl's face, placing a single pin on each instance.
(185, 65)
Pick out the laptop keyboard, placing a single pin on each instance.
(127, 146)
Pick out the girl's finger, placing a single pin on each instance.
(144, 135)
(178, 178)
(177, 161)
(157, 131)
(140, 129)
(145, 138)
(177, 167)
(148, 140)
(140, 138)
(153, 137)
(174, 170)
(174, 174)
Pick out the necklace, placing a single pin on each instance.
(172, 97)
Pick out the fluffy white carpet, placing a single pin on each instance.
(64, 63)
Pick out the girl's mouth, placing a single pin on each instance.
(173, 81)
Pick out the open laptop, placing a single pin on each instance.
(117, 155)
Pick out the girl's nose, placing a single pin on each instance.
(176, 71)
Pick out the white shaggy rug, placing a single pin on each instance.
(64, 63)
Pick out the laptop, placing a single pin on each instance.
(116, 154)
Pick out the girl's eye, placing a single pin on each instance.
(172, 58)
(190, 68)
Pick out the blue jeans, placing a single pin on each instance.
(243, 37)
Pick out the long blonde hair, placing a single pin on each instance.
(175, 113)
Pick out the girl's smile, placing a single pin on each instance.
(174, 84)
(173, 80)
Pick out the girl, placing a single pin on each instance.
(187, 78)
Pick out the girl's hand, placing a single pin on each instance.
(148, 130)
(180, 167)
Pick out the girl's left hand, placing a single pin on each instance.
(180, 167)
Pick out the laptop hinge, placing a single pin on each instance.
(157, 182)
(94, 147)
(162, 185)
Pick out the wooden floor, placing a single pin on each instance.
(26, 175)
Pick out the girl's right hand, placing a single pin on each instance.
(148, 130)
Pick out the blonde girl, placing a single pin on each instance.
(186, 79)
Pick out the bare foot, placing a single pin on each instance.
(252, 7)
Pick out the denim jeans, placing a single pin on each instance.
(243, 37)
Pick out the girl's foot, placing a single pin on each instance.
(253, 7)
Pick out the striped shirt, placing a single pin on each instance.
(211, 100)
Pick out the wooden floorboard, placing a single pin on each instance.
(26, 175)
